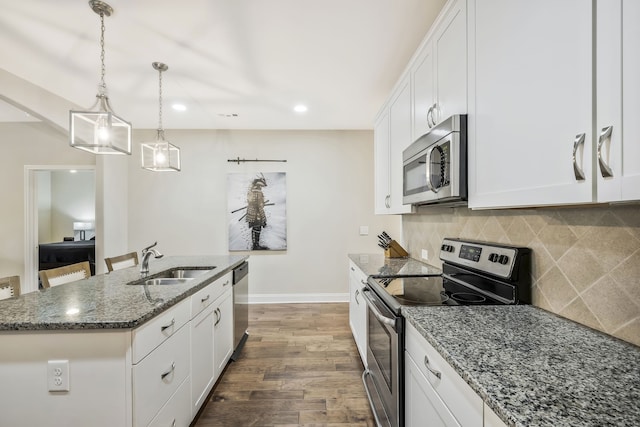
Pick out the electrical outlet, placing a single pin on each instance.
(425, 254)
(58, 375)
(364, 230)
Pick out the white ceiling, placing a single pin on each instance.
(253, 58)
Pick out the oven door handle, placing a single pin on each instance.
(375, 311)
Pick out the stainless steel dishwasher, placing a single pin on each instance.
(240, 308)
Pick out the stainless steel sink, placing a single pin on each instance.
(175, 276)
(184, 273)
(166, 281)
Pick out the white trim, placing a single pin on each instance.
(30, 281)
(296, 298)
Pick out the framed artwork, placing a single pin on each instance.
(257, 205)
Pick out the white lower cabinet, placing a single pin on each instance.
(177, 411)
(434, 393)
(358, 310)
(202, 365)
(223, 331)
(157, 377)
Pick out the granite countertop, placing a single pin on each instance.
(534, 368)
(106, 301)
(377, 265)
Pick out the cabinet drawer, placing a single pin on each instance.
(153, 333)
(205, 296)
(158, 376)
(177, 412)
(461, 400)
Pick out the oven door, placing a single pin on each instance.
(383, 378)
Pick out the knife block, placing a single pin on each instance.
(395, 251)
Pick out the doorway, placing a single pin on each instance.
(60, 205)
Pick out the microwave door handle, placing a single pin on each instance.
(430, 186)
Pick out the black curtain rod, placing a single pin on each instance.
(239, 160)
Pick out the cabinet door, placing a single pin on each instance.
(450, 51)
(422, 404)
(631, 100)
(423, 75)
(358, 311)
(381, 163)
(400, 138)
(202, 364)
(532, 80)
(618, 86)
(223, 331)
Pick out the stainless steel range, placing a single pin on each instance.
(473, 272)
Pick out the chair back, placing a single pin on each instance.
(66, 274)
(9, 287)
(122, 261)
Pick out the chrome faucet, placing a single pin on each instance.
(146, 253)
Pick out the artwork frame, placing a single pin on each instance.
(257, 211)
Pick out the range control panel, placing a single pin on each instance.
(498, 260)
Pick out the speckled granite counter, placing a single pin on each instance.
(379, 266)
(106, 301)
(534, 368)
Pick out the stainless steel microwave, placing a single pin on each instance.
(435, 165)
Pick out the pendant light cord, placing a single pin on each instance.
(103, 85)
(160, 130)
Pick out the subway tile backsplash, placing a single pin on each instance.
(586, 261)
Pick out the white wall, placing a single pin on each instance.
(329, 196)
(26, 144)
(73, 198)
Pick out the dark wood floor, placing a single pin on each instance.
(299, 367)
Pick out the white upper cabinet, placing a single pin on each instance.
(530, 109)
(618, 95)
(392, 134)
(432, 88)
(439, 71)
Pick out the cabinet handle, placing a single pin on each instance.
(577, 170)
(225, 283)
(432, 110)
(356, 296)
(173, 424)
(605, 169)
(433, 371)
(218, 316)
(173, 322)
(386, 201)
(173, 368)
(205, 299)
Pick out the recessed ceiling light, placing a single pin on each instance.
(73, 171)
(300, 108)
(179, 107)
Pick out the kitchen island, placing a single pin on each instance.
(533, 368)
(102, 352)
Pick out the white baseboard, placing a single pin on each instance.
(296, 298)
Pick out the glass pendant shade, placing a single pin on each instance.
(160, 155)
(100, 131)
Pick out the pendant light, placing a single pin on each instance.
(160, 155)
(100, 130)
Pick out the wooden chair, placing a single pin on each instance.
(66, 274)
(9, 287)
(122, 261)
